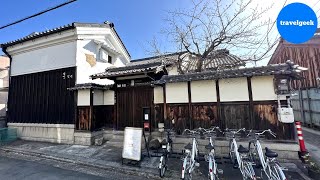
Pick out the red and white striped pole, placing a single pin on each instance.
(303, 149)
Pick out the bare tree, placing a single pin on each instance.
(211, 25)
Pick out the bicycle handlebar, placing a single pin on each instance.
(212, 130)
(264, 131)
(233, 131)
(193, 132)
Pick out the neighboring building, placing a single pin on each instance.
(235, 98)
(44, 65)
(306, 102)
(4, 84)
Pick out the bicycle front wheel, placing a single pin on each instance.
(185, 169)
(254, 156)
(232, 152)
(162, 165)
(212, 169)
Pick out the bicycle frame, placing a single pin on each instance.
(211, 155)
(245, 167)
(191, 156)
(266, 164)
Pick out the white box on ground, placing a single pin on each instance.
(132, 143)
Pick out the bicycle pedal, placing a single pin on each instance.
(197, 164)
(220, 171)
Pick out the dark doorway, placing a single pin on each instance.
(130, 101)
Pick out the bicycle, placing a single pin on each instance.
(213, 170)
(239, 155)
(191, 157)
(166, 145)
(270, 166)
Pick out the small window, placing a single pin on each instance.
(109, 59)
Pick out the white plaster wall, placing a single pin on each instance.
(234, 89)
(84, 69)
(55, 133)
(158, 94)
(98, 97)
(203, 91)
(177, 92)
(44, 59)
(173, 70)
(84, 97)
(108, 97)
(263, 88)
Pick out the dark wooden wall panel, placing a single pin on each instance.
(265, 115)
(129, 102)
(42, 97)
(204, 115)
(234, 115)
(102, 116)
(84, 120)
(180, 114)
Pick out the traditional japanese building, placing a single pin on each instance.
(45, 64)
(73, 83)
(306, 102)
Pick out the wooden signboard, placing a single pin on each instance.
(132, 143)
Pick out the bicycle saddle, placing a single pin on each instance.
(188, 146)
(164, 142)
(209, 147)
(271, 154)
(242, 149)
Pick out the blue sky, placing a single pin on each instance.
(137, 22)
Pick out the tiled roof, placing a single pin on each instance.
(287, 68)
(218, 59)
(138, 66)
(60, 29)
(90, 86)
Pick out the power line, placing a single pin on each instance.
(37, 14)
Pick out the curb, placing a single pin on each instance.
(123, 169)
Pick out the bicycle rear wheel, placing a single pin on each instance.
(162, 165)
(277, 173)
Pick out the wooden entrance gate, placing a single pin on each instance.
(129, 102)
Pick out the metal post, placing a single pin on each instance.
(302, 115)
(309, 105)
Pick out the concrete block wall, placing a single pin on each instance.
(55, 133)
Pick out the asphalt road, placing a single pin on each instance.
(16, 169)
(312, 141)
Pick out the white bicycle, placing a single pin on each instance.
(190, 161)
(270, 166)
(210, 158)
(239, 156)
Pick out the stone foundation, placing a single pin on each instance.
(55, 133)
(87, 138)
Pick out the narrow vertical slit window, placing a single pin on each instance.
(109, 59)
